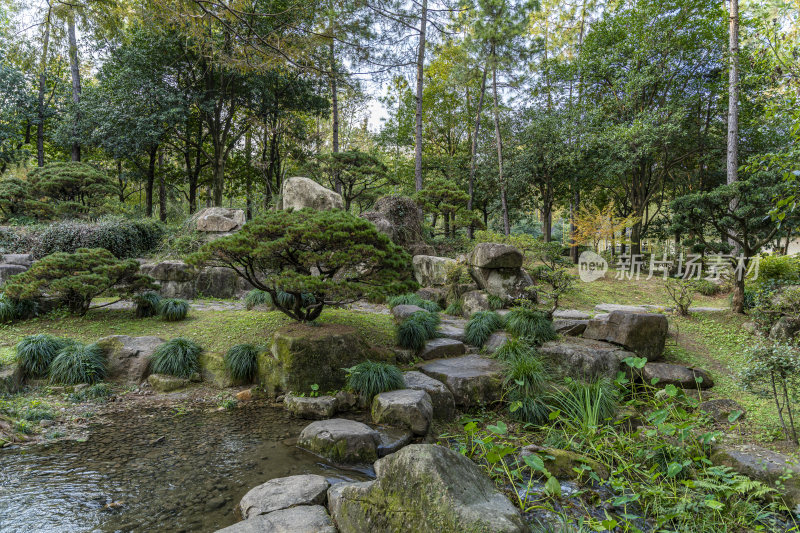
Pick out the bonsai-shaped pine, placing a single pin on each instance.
(316, 258)
(76, 278)
(74, 186)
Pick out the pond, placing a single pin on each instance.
(154, 469)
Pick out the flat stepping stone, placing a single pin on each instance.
(300, 519)
(392, 440)
(607, 308)
(406, 408)
(570, 327)
(571, 314)
(447, 331)
(312, 408)
(472, 379)
(678, 375)
(708, 310)
(641, 333)
(401, 312)
(438, 348)
(460, 323)
(763, 465)
(341, 440)
(444, 407)
(584, 359)
(283, 493)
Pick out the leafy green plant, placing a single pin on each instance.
(706, 287)
(527, 385)
(257, 298)
(35, 353)
(532, 325)
(514, 348)
(680, 292)
(11, 310)
(8, 311)
(176, 357)
(495, 302)
(78, 363)
(586, 404)
(480, 327)
(148, 304)
(173, 309)
(371, 377)
(455, 308)
(98, 391)
(412, 333)
(241, 362)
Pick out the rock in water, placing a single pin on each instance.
(424, 487)
(407, 408)
(444, 406)
(298, 193)
(300, 519)
(314, 408)
(283, 493)
(341, 440)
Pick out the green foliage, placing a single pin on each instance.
(74, 187)
(527, 384)
(173, 309)
(8, 311)
(148, 304)
(455, 308)
(706, 287)
(257, 298)
(370, 378)
(123, 238)
(532, 325)
(411, 298)
(784, 268)
(241, 362)
(176, 357)
(78, 363)
(480, 327)
(446, 199)
(586, 404)
(495, 302)
(76, 278)
(514, 348)
(331, 255)
(35, 353)
(416, 329)
(11, 310)
(97, 392)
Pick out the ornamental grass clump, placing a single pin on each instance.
(587, 404)
(455, 308)
(176, 357)
(480, 327)
(412, 299)
(532, 325)
(370, 378)
(78, 363)
(147, 304)
(241, 362)
(173, 309)
(416, 329)
(527, 384)
(257, 298)
(35, 353)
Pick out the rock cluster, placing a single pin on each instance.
(497, 269)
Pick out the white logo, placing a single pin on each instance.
(591, 266)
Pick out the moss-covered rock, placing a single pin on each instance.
(303, 355)
(11, 379)
(165, 383)
(212, 370)
(341, 440)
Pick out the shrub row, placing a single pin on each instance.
(123, 238)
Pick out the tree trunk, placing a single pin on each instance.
(42, 87)
(248, 148)
(337, 184)
(162, 189)
(76, 83)
(218, 179)
(418, 126)
(472, 162)
(547, 222)
(573, 213)
(120, 182)
(737, 301)
(733, 95)
(151, 176)
(575, 201)
(499, 143)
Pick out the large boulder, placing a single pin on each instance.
(641, 333)
(283, 493)
(473, 380)
(785, 329)
(507, 283)
(129, 357)
(11, 379)
(171, 270)
(441, 347)
(6, 271)
(444, 406)
(219, 219)
(299, 519)
(434, 294)
(430, 270)
(678, 375)
(298, 193)
(341, 440)
(312, 408)
(495, 255)
(217, 282)
(424, 487)
(400, 218)
(405, 408)
(214, 372)
(474, 301)
(303, 355)
(580, 358)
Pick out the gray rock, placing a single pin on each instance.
(424, 487)
(495, 255)
(444, 406)
(345, 400)
(581, 358)
(165, 383)
(441, 347)
(129, 357)
(785, 329)
(217, 282)
(708, 309)
(473, 380)
(298, 193)
(721, 409)
(400, 218)
(448, 331)
(571, 314)
(11, 379)
(434, 294)
(6, 271)
(641, 333)
(283, 493)
(474, 301)
(312, 408)
(431, 271)
(219, 219)
(678, 375)
(405, 408)
(570, 327)
(401, 312)
(178, 289)
(393, 440)
(300, 519)
(18, 259)
(341, 440)
(607, 308)
(507, 283)
(495, 341)
(172, 270)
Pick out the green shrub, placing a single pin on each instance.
(456, 308)
(527, 385)
(8, 311)
(35, 353)
(429, 320)
(148, 304)
(495, 302)
(176, 357)
(256, 298)
(78, 363)
(173, 309)
(531, 325)
(241, 361)
(778, 267)
(706, 287)
(123, 238)
(587, 404)
(11, 310)
(480, 327)
(412, 334)
(513, 349)
(370, 378)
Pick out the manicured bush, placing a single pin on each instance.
(256, 298)
(530, 324)
(706, 287)
(778, 267)
(480, 327)
(241, 361)
(123, 238)
(35, 353)
(370, 378)
(148, 304)
(173, 309)
(78, 363)
(71, 186)
(176, 357)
